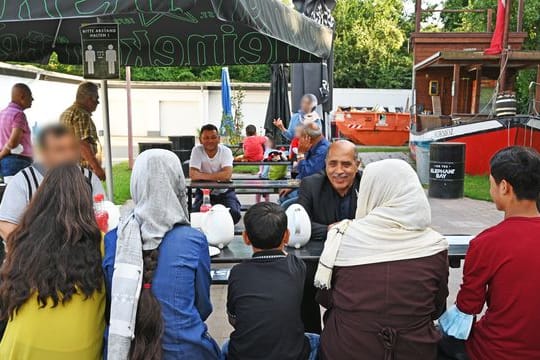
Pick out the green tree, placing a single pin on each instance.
(477, 21)
(369, 44)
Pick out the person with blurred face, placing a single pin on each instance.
(502, 270)
(305, 115)
(212, 161)
(329, 196)
(78, 118)
(15, 136)
(56, 146)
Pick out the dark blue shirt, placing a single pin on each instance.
(182, 286)
(314, 160)
(344, 205)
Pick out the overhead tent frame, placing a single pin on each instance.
(163, 33)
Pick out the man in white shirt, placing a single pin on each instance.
(57, 145)
(211, 161)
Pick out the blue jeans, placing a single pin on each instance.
(289, 199)
(12, 164)
(228, 199)
(314, 342)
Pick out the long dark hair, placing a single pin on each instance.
(55, 250)
(149, 322)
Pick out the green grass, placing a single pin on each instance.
(246, 169)
(370, 149)
(121, 177)
(477, 187)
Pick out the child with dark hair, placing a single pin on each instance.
(502, 269)
(253, 145)
(265, 294)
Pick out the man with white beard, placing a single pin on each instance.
(328, 197)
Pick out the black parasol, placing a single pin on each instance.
(278, 103)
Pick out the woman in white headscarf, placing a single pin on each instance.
(157, 270)
(384, 275)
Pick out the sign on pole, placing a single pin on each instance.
(100, 51)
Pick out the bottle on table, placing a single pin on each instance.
(102, 216)
(206, 205)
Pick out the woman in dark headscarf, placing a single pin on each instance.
(158, 270)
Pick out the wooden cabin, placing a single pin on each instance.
(453, 80)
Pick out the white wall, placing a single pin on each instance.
(50, 98)
(177, 111)
(174, 109)
(182, 111)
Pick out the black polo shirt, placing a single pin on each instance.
(263, 302)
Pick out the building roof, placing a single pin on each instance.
(516, 59)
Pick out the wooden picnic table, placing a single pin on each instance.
(257, 185)
(238, 251)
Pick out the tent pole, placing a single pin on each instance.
(107, 138)
(129, 117)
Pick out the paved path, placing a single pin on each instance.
(368, 157)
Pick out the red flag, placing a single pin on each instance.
(496, 41)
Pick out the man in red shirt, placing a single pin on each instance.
(502, 267)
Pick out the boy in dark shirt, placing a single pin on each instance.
(265, 294)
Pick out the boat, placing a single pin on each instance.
(463, 94)
(368, 127)
(483, 138)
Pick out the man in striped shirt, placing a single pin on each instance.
(57, 146)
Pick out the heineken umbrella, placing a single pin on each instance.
(278, 103)
(164, 33)
(227, 122)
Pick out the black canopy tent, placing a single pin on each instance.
(163, 33)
